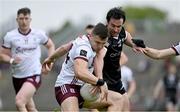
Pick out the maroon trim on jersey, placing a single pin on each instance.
(24, 33)
(5, 47)
(81, 58)
(175, 50)
(71, 46)
(46, 42)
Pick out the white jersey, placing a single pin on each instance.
(126, 76)
(177, 49)
(27, 48)
(81, 48)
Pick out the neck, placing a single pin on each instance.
(24, 32)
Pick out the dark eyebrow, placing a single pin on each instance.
(116, 25)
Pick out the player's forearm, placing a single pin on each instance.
(129, 41)
(152, 53)
(61, 51)
(99, 63)
(5, 58)
(98, 67)
(86, 76)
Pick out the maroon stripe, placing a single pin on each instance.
(81, 58)
(5, 47)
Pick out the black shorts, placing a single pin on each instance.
(117, 87)
(173, 100)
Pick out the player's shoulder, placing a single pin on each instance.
(82, 40)
(12, 33)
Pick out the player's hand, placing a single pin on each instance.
(95, 90)
(47, 66)
(139, 43)
(17, 60)
(104, 92)
(138, 49)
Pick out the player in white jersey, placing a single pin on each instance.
(128, 80)
(163, 53)
(77, 70)
(24, 43)
(127, 76)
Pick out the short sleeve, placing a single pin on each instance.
(43, 37)
(130, 76)
(83, 52)
(177, 49)
(6, 42)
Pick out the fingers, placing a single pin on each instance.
(17, 60)
(47, 68)
(94, 90)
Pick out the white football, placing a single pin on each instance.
(86, 94)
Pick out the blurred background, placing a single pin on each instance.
(157, 22)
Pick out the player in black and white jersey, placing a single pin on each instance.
(24, 43)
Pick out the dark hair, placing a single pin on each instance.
(116, 13)
(24, 11)
(100, 30)
(89, 26)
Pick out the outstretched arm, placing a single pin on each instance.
(61, 51)
(159, 54)
(129, 42)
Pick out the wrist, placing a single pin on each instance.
(11, 60)
(100, 82)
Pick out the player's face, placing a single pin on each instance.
(97, 43)
(24, 22)
(114, 26)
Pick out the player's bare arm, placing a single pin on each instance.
(6, 57)
(131, 44)
(99, 62)
(50, 46)
(61, 51)
(159, 54)
(82, 72)
(98, 67)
